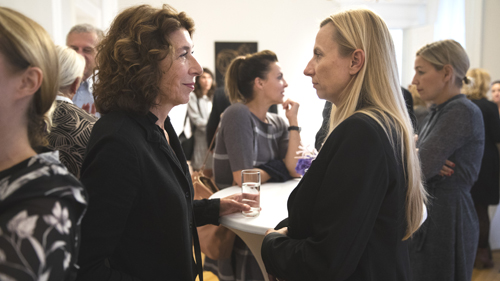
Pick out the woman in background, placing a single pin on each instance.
(362, 198)
(453, 134)
(250, 137)
(41, 203)
(199, 107)
(485, 190)
(71, 125)
(495, 93)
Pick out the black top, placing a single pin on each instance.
(141, 222)
(485, 190)
(347, 215)
(41, 206)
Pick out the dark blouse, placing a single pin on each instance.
(41, 206)
(141, 224)
(347, 215)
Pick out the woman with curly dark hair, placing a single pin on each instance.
(142, 222)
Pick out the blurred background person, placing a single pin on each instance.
(420, 108)
(83, 38)
(485, 190)
(71, 125)
(250, 137)
(41, 203)
(495, 93)
(142, 222)
(362, 198)
(452, 134)
(199, 107)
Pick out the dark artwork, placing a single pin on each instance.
(225, 52)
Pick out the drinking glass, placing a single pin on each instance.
(250, 188)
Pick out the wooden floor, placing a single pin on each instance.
(478, 274)
(484, 274)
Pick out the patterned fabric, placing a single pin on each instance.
(70, 134)
(41, 206)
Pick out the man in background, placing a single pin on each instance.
(83, 38)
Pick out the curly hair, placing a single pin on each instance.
(128, 58)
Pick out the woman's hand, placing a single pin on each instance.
(291, 111)
(283, 231)
(232, 204)
(447, 170)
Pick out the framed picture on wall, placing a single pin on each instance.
(225, 52)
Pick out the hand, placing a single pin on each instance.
(291, 111)
(232, 204)
(283, 231)
(90, 109)
(447, 170)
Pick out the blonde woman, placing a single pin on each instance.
(71, 125)
(41, 203)
(453, 135)
(485, 190)
(362, 198)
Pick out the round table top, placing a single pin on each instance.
(273, 202)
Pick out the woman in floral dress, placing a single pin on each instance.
(41, 203)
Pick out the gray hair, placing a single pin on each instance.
(85, 27)
(71, 65)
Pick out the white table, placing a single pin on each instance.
(273, 199)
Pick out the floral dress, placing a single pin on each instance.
(41, 206)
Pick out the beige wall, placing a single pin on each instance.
(491, 38)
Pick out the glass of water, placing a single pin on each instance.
(250, 188)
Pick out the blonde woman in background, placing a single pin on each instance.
(485, 190)
(41, 203)
(453, 135)
(71, 125)
(352, 213)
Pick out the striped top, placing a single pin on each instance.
(244, 141)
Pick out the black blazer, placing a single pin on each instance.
(141, 216)
(347, 215)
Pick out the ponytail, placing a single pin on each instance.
(241, 74)
(232, 75)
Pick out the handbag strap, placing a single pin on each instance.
(208, 150)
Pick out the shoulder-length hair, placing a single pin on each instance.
(376, 92)
(24, 43)
(197, 88)
(480, 84)
(128, 58)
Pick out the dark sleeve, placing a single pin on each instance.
(494, 122)
(37, 239)
(220, 103)
(344, 213)
(321, 134)
(111, 175)
(451, 131)
(206, 211)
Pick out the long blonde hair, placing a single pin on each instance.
(24, 43)
(376, 92)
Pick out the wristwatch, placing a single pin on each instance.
(295, 128)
